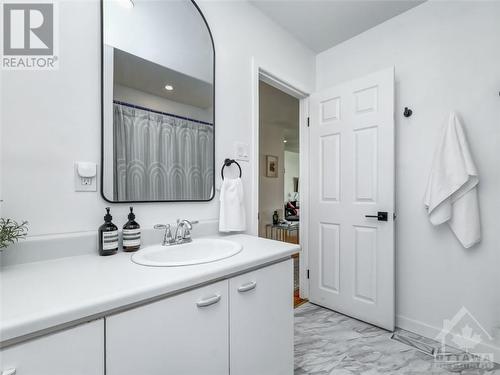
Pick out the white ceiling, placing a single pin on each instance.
(321, 24)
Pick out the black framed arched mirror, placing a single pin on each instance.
(158, 91)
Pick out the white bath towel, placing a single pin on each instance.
(232, 207)
(451, 195)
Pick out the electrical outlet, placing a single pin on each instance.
(85, 176)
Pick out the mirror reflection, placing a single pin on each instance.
(158, 103)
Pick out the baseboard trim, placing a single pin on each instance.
(431, 332)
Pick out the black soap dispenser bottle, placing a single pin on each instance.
(108, 236)
(276, 218)
(131, 233)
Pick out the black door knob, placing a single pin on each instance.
(381, 216)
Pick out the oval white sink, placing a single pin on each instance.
(204, 250)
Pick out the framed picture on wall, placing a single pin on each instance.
(271, 166)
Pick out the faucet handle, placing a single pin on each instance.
(187, 230)
(167, 236)
(190, 223)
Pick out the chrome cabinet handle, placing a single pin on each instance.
(209, 301)
(247, 287)
(11, 371)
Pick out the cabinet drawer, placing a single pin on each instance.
(75, 351)
(185, 334)
(261, 321)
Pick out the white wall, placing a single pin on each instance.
(52, 119)
(291, 171)
(144, 99)
(446, 57)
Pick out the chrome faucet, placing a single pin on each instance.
(182, 232)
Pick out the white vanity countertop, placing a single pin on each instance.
(40, 295)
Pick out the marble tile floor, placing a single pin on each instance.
(329, 343)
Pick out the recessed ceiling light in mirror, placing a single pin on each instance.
(169, 87)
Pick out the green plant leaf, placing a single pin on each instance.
(11, 231)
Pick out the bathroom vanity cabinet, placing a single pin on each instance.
(242, 325)
(233, 317)
(75, 351)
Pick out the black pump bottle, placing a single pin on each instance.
(108, 236)
(131, 233)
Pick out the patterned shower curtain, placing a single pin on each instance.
(161, 157)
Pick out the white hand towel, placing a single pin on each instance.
(451, 195)
(232, 208)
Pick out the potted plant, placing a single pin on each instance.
(11, 231)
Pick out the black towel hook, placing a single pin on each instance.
(228, 163)
(407, 112)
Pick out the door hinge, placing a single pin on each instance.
(307, 273)
(308, 122)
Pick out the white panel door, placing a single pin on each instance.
(74, 351)
(185, 334)
(261, 321)
(351, 178)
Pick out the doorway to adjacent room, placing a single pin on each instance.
(279, 150)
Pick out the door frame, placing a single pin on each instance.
(262, 72)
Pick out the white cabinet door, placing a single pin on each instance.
(75, 351)
(185, 334)
(261, 321)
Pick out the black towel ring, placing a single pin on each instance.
(227, 163)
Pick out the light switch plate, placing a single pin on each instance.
(85, 183)
(241, 151)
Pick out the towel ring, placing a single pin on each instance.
(227, 163)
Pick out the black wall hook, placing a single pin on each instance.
(407, 112)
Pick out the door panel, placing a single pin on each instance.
(351, 176)
(365, 166)
(330, 257)
(330, 167)
(365, 252)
